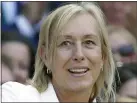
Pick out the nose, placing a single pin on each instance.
(78, 55)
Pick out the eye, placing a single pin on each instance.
(66, 43)
(89, 42)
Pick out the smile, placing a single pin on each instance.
(78, 71)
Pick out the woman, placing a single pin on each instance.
(73, 61)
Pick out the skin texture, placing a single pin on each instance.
(78, 45)
(18, 58)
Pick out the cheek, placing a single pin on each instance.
(94, 56)
(96, 73)
(62, 57)
(95, 60)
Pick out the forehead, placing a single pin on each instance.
(82, 24)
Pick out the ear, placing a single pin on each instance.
(101, 65)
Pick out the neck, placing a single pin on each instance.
(73, 96)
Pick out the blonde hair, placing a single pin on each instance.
(48, 35)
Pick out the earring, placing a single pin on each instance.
(48, 71)
(102, 68)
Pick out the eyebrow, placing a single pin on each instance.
(90, 36)
(66, 36)
(85, 36)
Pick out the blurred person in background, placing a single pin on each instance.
(126, 88)
(126, 72)
(19, 55)
(131, 23)
(116, 12)
(9, 10)
(123, 44)
(27, 23)
(129, 89)
(26, 17)
(6, 73)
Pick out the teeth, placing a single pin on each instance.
(77, 70)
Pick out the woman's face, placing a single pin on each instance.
(18, 59)
(78, 57)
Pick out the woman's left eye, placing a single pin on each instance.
(89, 42)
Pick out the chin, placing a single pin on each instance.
(80, 86)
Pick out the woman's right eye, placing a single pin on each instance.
(66, 43)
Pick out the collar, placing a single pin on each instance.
(94, 101)
(50, 96)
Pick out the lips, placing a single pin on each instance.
(78, 70)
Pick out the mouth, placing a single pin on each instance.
(78, 71)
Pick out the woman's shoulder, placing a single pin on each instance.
(13, 91)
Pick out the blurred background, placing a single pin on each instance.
(20, 25)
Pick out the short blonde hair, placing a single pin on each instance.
(51, 28)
